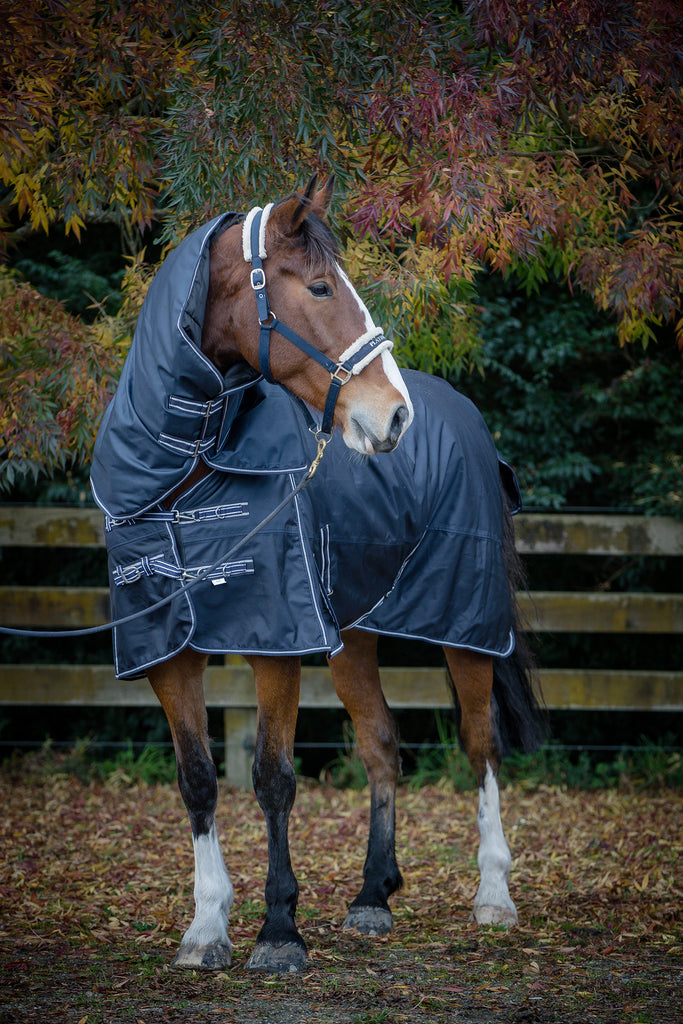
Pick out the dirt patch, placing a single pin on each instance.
(96, 889)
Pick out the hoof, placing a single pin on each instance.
(504, 916)
(193, 957)
(288, 958)
(369, 920)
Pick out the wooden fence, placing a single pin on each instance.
(229, 686)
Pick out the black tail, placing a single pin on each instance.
(517, 700)
(522, 719)
(522, 715)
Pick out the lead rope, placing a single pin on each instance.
(90, 630)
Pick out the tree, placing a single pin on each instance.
(542, 140)
(552, 141)
(83, 83)
(520, 135)
(57, 374)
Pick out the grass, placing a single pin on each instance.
(151, 766)
(648, 766)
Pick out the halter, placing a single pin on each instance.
(355, 358)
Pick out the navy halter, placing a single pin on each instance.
(340, 373)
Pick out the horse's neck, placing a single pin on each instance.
(198, 473)
(226, 281)
(219, 330)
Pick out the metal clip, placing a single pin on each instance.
(322, 445)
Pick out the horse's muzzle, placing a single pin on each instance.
(371, 444)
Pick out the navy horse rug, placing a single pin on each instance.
(406, 543)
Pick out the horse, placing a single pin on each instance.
(218, 400)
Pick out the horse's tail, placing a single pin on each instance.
(518, 706)
(517, 698)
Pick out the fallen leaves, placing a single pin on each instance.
(103, 876)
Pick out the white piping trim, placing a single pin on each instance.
(430, 640)
(313, 590)
(195, 349)
(275, 653)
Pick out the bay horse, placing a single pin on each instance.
(200, 401)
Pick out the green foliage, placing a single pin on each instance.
(56, 377)
(80, 288)
(447, 760)
(649, 765)
(248, 119)
(346, 770)
(583, 421)
(434, 324)
(456, 144)
(58, 373)
(83, 84)
(153, 765)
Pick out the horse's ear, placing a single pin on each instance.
(323, 198)
(289, 214)
(303, 205)
(313, 201)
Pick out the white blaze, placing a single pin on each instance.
(389, 364)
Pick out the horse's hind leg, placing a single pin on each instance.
(472, 676)
(178, 685)
(356, 679)
(279, 946)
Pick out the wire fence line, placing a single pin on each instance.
(341, 744)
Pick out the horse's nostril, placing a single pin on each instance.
(398, 422)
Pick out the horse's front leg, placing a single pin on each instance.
(179, 687)
(472, 676)
(355, 674)
(279, 946)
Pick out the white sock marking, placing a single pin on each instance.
(494, 855)
(213, 893)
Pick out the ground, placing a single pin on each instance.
(96, 889)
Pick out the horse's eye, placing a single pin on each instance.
(320, 289)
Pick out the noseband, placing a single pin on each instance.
(357, 356)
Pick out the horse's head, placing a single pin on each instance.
(311, 299)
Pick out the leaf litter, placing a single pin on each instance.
(96, 890)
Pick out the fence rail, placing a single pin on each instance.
(230, 686)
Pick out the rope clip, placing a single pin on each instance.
(322, 440)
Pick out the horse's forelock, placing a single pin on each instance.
(322, 251)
